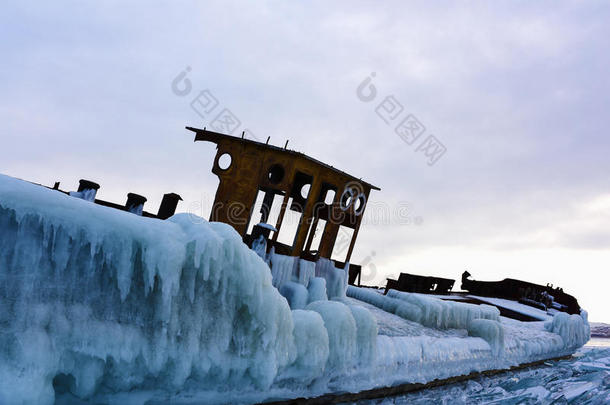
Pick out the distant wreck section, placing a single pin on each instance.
(497, 293)
(420, 284)
(534, 295)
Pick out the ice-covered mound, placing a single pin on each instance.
(93, 297)
(97, 303)
(510, 342)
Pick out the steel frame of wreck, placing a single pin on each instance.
(259, 167)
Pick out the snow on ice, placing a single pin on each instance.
(103, 306)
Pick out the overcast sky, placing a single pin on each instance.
(517, 92)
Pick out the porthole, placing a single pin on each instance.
(330, 197)
(360, 204)
(305, 190)
(347, 198)
(276, 174)
(224, 161)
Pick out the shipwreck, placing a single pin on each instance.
(257, 177)
(100, 301)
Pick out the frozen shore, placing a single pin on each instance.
(582, 379)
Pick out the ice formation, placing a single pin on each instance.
(322, 278)
(341, 327)
(95, 303)
(259, 245)
(317, 289)
(508, 341)
(336, 279)
(573, 329)
(311, 341)
(110, 298)
(296, 294)
(428, 311)
(87, 195)
(366, 335)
